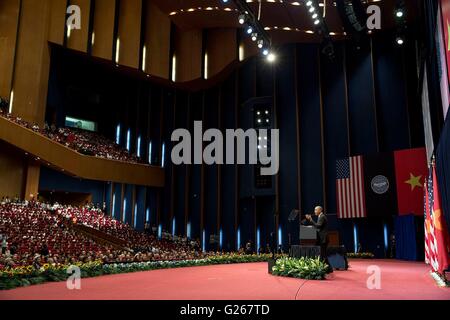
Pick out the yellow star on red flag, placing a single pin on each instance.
(414, 181)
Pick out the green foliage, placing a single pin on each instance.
(25, 276)
(303, 268)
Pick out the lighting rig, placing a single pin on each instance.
(253, 28)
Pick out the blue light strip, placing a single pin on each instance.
(221, 239)
(204, 241)
(128, 139)
(386, 239)
(280, 236)
(355, 237)
(160, 231)
(135, 215)
(118, 134)
(238, 238)
(258, 240)
(163, 156)
(150, 146)
(124, 210)
(173, 226)
(188, 232)
(147, 215)
(139, 147)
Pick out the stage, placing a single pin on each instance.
(399, 280)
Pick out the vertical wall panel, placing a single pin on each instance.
(9, 19)
(78, 39)
(103, 29)
(286, 108)
(157, 41)
(188, 51)
(221, 49)
(32, 70)
(130, 32)
(391, 97)
(361, 104)
(310, 127)
(57, 21)
(335, 119)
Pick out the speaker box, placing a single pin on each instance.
(338, 261)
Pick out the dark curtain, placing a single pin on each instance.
(405, 238)
(443, 170)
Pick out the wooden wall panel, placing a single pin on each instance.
(32, 180)
(11, 171)
(103, 29)
(78, 39)
(130, 32)
(57, 21)
(221, 49)
(188, 51)
(9, 19)
(32, 61)
(157, 41)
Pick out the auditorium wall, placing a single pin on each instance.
(361, 102)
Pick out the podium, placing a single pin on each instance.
(308, 235)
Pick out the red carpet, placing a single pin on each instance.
(399, 280)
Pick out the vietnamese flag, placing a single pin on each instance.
(410, 174)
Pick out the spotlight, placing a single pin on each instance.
(242, 18)
(317, 22)
(315, 15)
(249, 30)
(260, 44)
(312, 9)
(400, 41)
(271, 57)
(309, 3)
(266, 52)
(225, 1)
(399, 13)
(254, 36)
(267, 112)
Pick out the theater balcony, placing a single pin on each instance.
(73, 163)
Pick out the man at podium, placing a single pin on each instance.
(322, 231)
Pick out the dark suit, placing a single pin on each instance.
(322, 235)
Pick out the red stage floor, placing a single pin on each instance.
(399, 280)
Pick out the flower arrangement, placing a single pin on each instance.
(25, 276)
(303, 268)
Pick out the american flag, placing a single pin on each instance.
(426, 207)
(432, 243)
(350, 188)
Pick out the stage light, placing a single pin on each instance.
(258, 113)
(225, 1)
(260, 44)
(400, 41)
(309, 3)
(266, 52)
(271, 57)
(259, 120)
(249, 30)
(315, 15)
(242, 18)
(267, 112)
(312, 9)
(254, 36)
(317, 22)
(399, 13)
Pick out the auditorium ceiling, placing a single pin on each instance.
(285, 20)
